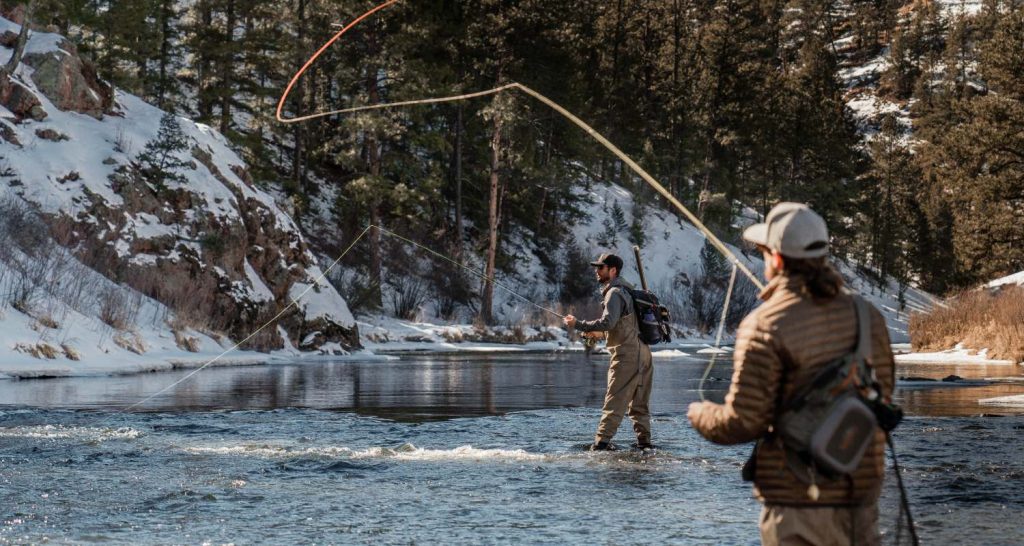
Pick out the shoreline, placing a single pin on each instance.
(393, 351)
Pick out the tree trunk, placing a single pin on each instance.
(493, 217)
(374, 168)
(165, 52)
(227, 68)
(19, 47)
(458, 184)
(298, 129)
(204, 104)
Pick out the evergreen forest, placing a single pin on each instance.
(729, 103)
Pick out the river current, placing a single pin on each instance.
(479, 449)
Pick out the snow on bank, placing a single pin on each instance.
(1013, 401)
(957, 355)
(1016, 278)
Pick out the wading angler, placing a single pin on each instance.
(631, 371)
(812, 368)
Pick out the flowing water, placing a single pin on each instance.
(455, 449)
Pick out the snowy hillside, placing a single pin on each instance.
(861, 78)
(673, 266)
(207, 252)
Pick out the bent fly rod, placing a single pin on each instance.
(715, 241)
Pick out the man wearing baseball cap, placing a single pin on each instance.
(631, 371)
(805, 322)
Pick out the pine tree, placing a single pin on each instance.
(897, 229)
(160, 161)
(971, 149)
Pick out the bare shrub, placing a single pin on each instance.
(21, 227)
(122, 143)
(357, 290)
(707, 298)
(191, 300)
(407, 294)
(978, 319)
(119, 307)
(705, 306)
(452, 290)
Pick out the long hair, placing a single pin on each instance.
(821, 280)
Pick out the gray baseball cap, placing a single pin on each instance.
(791, 229)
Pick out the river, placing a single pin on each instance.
(475, 449)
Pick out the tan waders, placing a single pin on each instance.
(630, 376)
(822, 525)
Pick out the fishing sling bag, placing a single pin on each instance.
(828, 424)
(652, 318)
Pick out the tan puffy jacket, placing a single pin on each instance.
(793, 333)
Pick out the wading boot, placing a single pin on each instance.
(603, 445)
(643, 444)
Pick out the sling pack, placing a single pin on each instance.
(828, 424)
(652, 318)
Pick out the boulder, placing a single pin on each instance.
(70, 83)
(20, 100)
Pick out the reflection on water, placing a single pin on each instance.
(425, 387)
(954, 389)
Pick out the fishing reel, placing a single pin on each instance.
(590, 339)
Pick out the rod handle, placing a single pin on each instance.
(640, 266)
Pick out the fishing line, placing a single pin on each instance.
(718, 336)
(480, 274)
(293, 303)
(718, 244)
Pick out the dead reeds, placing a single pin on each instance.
(979, 319)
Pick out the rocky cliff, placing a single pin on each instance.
(207, 243)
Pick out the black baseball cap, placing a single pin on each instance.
(610, 260)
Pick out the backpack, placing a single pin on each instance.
(652, 318)
(829, 423)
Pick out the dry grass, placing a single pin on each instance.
(977, 319)
(39, 350)
(70, 352)
(186, 342)
(130, 341)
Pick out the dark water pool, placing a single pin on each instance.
(478, 450)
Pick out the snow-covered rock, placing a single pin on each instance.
(210, 246)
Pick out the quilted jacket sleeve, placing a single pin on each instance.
(750, 404)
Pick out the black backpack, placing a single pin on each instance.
(652, 318)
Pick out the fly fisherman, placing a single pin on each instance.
(631, 371)
(805, 322)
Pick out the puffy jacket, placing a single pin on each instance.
(779, 348)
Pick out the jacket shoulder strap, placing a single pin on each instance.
(863, 312)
